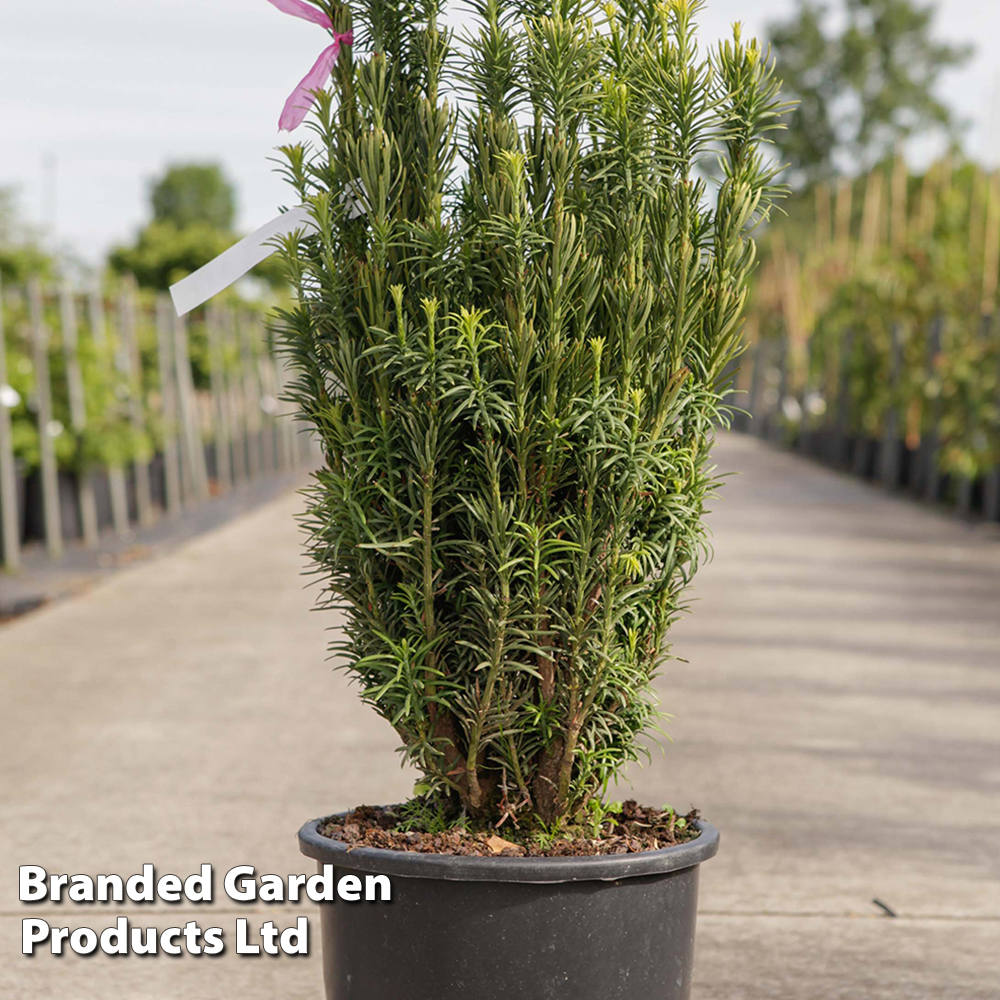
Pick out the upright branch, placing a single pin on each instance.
(512, 335)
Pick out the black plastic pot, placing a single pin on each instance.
(596, 928)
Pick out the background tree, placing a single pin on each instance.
(21, 256)
(861, 90)
(165, 252)
(193, 208)
(192, 194)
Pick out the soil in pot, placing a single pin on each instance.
(628, 829)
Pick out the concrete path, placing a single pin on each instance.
(41, 580)
(838, 719)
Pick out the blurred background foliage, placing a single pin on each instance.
(21, 256)
(867, 246)
(865, 74)
(192, 208)
(882, 289)
(876, 291)
(110, 436)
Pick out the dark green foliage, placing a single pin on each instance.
(514, 357)
(861, 90)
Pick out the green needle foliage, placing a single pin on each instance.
(512, 336)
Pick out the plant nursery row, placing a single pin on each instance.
(875, 343)
(113, 410)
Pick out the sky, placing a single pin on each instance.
(97, 97)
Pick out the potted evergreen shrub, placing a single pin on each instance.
(514, 326)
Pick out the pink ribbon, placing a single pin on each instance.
(303, 96)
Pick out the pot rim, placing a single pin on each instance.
(465, 868)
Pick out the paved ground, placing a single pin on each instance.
(41, 580)
(838, 720)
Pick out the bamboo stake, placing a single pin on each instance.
(823, 233)
(98, 321)
(991, 246)
(234, 395)
(263, 402)
(46, 446)
(928, 202)
(220, 409)
(192, 447)
(884, 221)
(188, 477)
(116, 474)
(119, 501)
(978, 207)
(899, 214)
(86, 501)
(268, 400)
(168, 406)
(946, 181)
(889, 457)
(287, 420)
(929, 464)
(870, 216)
(277, 423)
(10, 524)
(251, 401)
(71, 354)
(845, 196)
(132, 367)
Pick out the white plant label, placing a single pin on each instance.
(353, 196)
(217, 275)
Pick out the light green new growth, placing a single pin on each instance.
(515, 358)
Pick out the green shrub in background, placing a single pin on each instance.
(511, 337)
(109, 437)
(912, 255)
(193, 208)
(21, 254)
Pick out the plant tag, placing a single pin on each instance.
(217, 275)
(353, 196)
